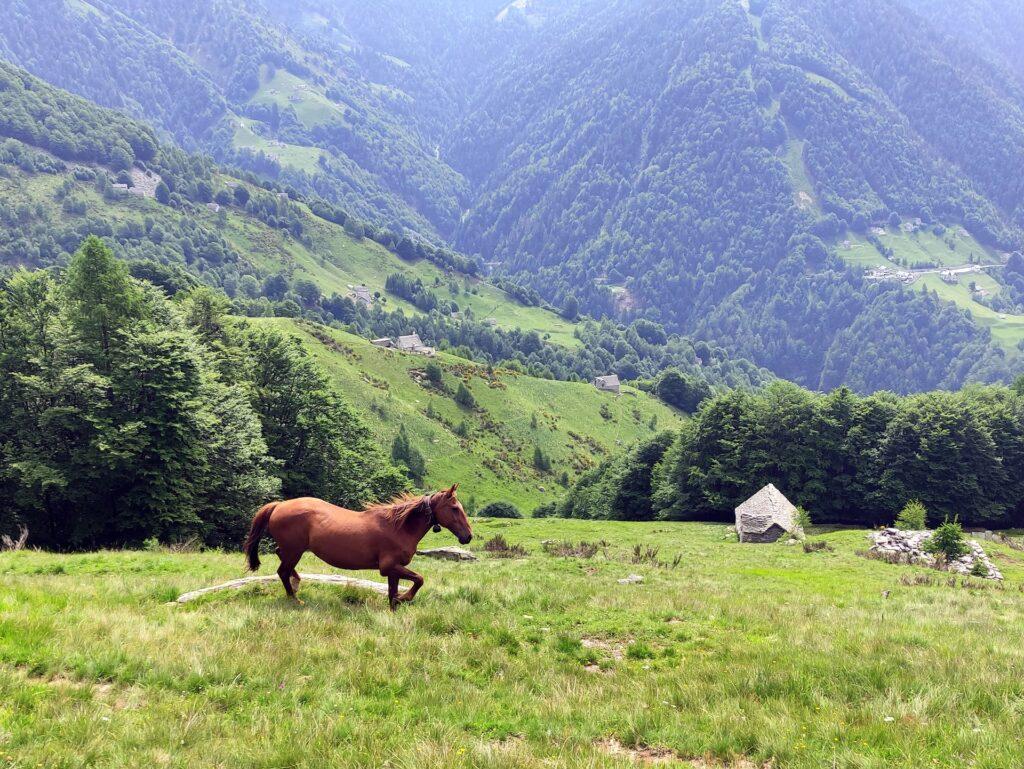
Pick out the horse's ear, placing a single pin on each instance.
(452, 489)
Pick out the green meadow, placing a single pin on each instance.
(286, 90)
(736, 656)
(926, 247)
(514, 415)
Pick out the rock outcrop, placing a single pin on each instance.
(909, 547)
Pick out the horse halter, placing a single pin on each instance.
(431, 518)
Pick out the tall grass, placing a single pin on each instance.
(761, 652)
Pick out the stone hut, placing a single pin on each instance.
(409, 343)
(361, 295)
(609, 383)
(766, 516)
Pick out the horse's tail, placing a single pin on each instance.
(260, 521)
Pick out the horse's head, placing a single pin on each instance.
(448, 512)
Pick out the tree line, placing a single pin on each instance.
(844, 458)
(128, 415)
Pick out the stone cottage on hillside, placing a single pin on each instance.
(766, 516)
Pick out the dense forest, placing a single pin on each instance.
(129, 416)
(844, 458)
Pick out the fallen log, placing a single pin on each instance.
(328, 579)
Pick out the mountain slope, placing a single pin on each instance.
(494, 458)
(696, 164)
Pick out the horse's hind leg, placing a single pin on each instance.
(286, 571)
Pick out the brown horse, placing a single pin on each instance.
(382, 537)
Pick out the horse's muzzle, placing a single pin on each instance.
(466, 539)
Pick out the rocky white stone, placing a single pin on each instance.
(910, 547)
(447, 554)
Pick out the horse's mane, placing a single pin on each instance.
(397, 511)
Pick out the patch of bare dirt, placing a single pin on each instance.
(614, 649)
(648, 754)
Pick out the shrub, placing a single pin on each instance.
(979, 569)
(569, 549)
(913, 517)
(817, 546)
(803, 518)
(545, 510)
(435, 375)
(499, 547)
(500, 510)
(464, 397)
(948, 539)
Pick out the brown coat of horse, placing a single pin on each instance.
(382, 537)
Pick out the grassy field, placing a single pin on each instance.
(294, 155)
(793, 157)
(740, 655)
(286, 90)
(916, 248)
(495, 458)
(1007, 330)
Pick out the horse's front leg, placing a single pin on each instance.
(396, 573)
(392, 590)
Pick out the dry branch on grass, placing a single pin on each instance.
(327, 579)
(9, 543)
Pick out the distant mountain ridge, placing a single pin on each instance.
(695, 163)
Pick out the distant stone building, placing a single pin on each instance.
(609, 383)
(384, 341)
(766, 516)
(412, 343)
(361, 295)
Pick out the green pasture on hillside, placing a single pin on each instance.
(286, 90)
(924, 246)
(334, 259)
(495, 459)
(739, 656)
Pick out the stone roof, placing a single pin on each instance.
(409, 342)
(611, 380)
(767, 507)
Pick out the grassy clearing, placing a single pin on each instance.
(1007, 330)
(828, 82)
(763, 652)
(297, 156)
(494, 460)
(926, 247)
(923, 247)
(793, 157)
(289, 91)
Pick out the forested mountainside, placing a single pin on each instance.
(709, 166)
(70, 169)
(744, 145)
(238, 80)
(992, 28)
